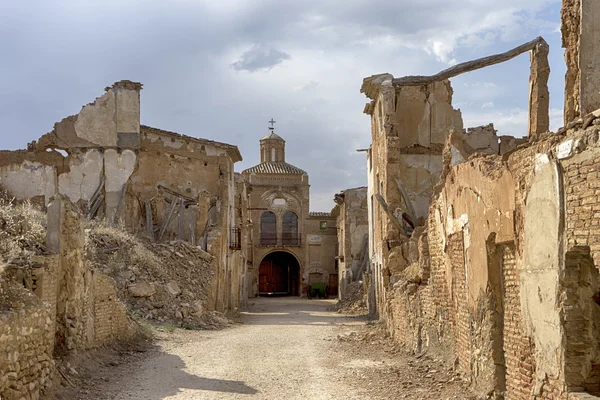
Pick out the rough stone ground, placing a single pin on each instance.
(286, 348)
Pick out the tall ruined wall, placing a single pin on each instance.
(570, 29)
(168, 185)
(99, 142)
(508, 285)
(353, 235)
(409, 126)
(580, 36)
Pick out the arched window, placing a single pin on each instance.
(273, 154)
(289, 230)
(268, 228)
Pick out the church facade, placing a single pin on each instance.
(289, 246)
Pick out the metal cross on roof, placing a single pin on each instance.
(272, 122)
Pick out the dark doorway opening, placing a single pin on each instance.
(279, 274)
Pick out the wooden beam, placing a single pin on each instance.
(180, 220)
(409, 206)
(96, 206)
(192, 235)
(166, 221)
(149, 227)
(468, 66)
(97, 191)
(390, 215)
(176, 194)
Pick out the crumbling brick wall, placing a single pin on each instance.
(492, 300)
(517, 346)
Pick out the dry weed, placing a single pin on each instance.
(22, 229)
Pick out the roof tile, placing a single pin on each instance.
(274, 168)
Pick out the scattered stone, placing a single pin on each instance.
(173, 288)
(141, 289)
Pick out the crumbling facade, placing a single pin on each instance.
(500, 277)
(352, 236)
(169, 185)
(288, 245)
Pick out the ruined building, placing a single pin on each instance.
(483, 249)
(165, 184)
(288, 244)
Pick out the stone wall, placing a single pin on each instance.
(27, 345)
(56, 304)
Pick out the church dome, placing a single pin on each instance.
(272, 136)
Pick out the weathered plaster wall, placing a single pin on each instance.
(111, 121)
(122, 165)
(542, 262)
(28, 180)
(86, 170)
(322, 244)
(409, 126)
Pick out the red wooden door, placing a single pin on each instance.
(273, 277)
(265, 271)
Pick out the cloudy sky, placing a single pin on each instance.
(221, 69)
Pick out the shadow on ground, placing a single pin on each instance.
(171, 383)
(102, 373)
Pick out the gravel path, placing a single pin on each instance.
(283, 350)
(286, 348)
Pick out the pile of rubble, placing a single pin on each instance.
(353, 301)
(163, 283)
(415, 376)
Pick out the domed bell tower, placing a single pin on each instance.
(272, 146)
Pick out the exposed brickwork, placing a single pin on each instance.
(110, 316)
(582, 189)
(518, 348)
(460, 312)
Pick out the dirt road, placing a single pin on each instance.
(286, 348)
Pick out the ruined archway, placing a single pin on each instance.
(279, 274)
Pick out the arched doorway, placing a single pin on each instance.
(279, 274)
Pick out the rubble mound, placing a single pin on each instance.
(354, 300)
(162, 283)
